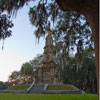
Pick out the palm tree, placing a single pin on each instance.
(27, 70)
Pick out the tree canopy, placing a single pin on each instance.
(70, 26)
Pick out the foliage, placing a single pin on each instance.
(71, 29)
(48, 97)
(3, 85)
(72, 34)
(27, 68)
(11, 6)
(85, 77)
(39, 13)
(19, 87)
(43, 15)
(36, 61)
(16, 77)
(5, 23)
(27, 71)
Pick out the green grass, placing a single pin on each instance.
(61, 87)
(19, 87)
(48, 96)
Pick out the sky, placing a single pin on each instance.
(21, 47)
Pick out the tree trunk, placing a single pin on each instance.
(62, 67)
(90, 8)
(93, 86)
(27, 80)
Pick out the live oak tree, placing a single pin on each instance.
(84, 78)
(89, 8)
(72, 33)
(5, 25)
(16, 77)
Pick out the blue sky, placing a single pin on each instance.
(20, 47)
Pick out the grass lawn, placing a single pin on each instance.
(5, 96)
(61, 87)
(19, 87)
